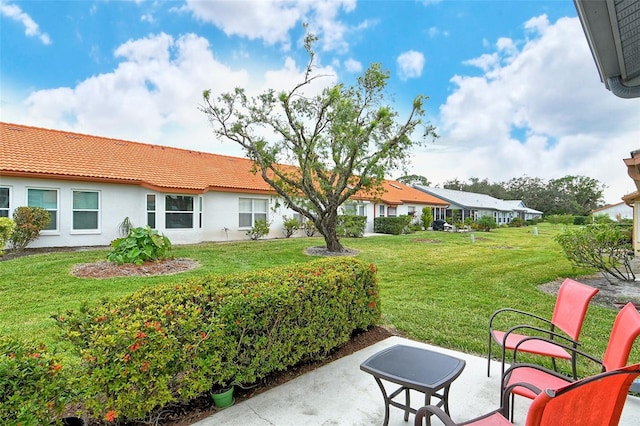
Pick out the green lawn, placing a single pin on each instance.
(437, 287)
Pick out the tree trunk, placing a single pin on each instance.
(328, 231)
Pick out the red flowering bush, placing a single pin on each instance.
(29, 221)
(169, 344)
(32, 383)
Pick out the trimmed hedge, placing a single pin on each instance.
(169, 344)
(392, 225)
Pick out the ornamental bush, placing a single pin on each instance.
(351, 226)
(260, 229)
(392, 225)
(169, 344)
(139, 246)
(29, 222)
(6, 229)
(605, 246)
(32, 383)
(290, 226)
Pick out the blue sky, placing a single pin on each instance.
(512, 86)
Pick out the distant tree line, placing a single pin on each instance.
(573, 195)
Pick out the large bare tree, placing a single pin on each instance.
(318, 151)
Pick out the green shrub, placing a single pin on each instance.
(6, 229)
(426, 218)
(260, 229)
(171, 343)
(564, 219)
(351, 226)
(486, 223)
(290, 226)
(605, 246)
(516, 222)
(392, 225)
(309, 228)
(32, 383)
(29, 222)
(139, 246)
(601, 218)
(581, 220)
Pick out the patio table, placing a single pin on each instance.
(416, 369)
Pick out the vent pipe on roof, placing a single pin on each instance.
(619, 89)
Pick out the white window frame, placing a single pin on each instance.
(153, 211)
(55, 212)
(6, 209)
(392, 211)
(382, 210)
(200, 209)
(252, 211)
(75, 210)
(169, 213)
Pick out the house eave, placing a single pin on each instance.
(611, 29)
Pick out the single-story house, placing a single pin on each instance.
(90, 184)
(615, 212)
(463, 205)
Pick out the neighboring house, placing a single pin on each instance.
(463, 205)
(615, 212)
(90, 184)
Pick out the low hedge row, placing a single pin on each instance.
(169, 344)
(392, 225)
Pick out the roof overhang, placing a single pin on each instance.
(612, 28)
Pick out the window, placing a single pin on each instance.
(86, 209)
(151, 211)
(354, 208)
(4, 202)
(381, 210)
(392, 211)
(199, 212)
(178, 211)
(47, 199)
(250, 210)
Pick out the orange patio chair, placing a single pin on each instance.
(565, 325)
(626, 329)
(596, 400)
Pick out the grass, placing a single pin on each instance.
(436, 287)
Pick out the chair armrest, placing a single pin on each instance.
(516, 311)
(427, 410)
(568, 348)
(506, 395)
(546, 332)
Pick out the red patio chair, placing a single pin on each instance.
(568, 315)
(596, 400)
(625, 330)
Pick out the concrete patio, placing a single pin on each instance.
(340, 393)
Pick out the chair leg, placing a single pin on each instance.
(489, 356)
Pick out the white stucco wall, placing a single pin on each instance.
(220, 213)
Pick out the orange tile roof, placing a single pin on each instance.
(399, 193)
(33, 152)
(36, 152)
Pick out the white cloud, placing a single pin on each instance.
(271, 21)
(353, 66)
(540, 111)
(154, 93)
(410, 64)
(31, 28)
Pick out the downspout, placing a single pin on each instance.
(619, 89)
